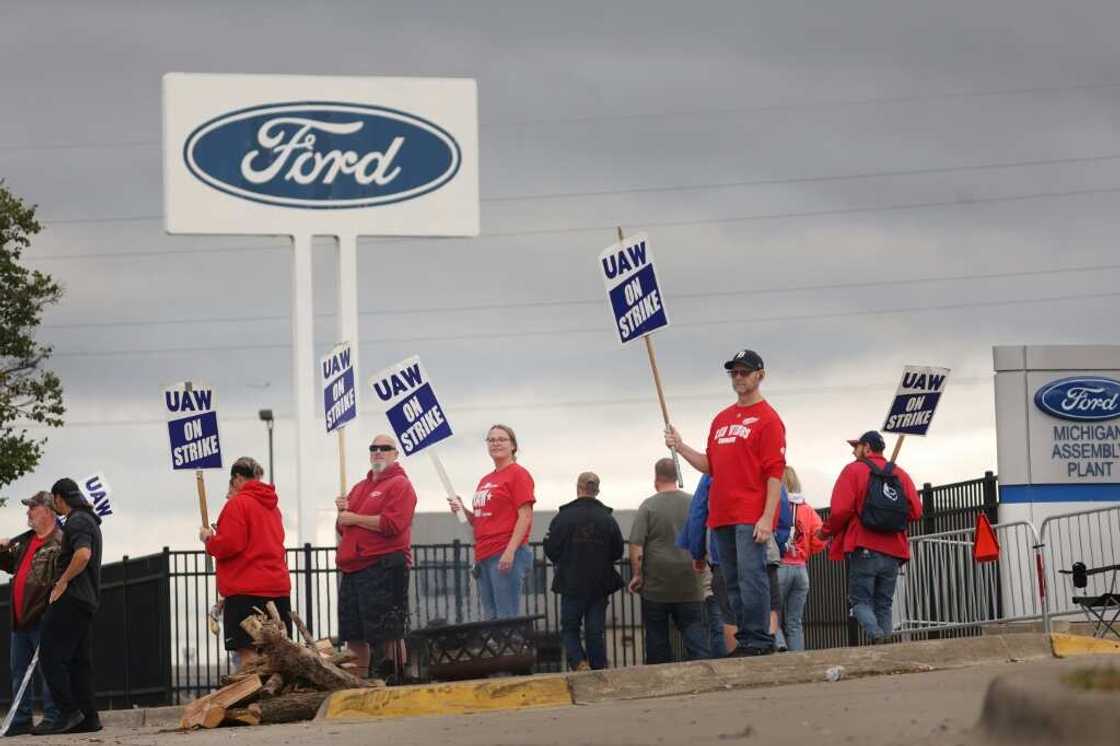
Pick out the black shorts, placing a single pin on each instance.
(775, 589)
(373, 603)
(237, 608)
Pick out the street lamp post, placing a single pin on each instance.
(266, 416)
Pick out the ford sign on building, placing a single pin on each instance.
(320, 155)
(1058, 428)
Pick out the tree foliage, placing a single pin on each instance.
(29, 394)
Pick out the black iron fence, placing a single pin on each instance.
(153, 645)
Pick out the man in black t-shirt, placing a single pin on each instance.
(66, 635)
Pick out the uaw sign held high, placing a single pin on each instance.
(410, 404)
(192, 426)
(916, 399)
(635, 296)
(340, 400)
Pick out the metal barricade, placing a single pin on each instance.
(1090, 536)
(942, 588)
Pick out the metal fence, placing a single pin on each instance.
(1092, 537)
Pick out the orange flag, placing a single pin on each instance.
(985, 545)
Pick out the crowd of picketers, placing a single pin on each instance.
(725, 565)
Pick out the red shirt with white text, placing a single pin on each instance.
(746, 447)
(498, 496)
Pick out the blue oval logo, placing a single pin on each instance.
(1080, 398)
(322, 155)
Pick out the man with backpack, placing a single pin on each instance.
(872, 503)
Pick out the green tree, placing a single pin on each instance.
(29, 394)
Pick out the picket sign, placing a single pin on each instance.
(195, 441)
(912, 408)
(410, 404)
(637, 306)
(340, 399)
(96, 489)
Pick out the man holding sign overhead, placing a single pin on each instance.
(374, 554)
(746, 456)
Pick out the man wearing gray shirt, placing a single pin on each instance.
(662, 572)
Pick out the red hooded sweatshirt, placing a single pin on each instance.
(389, 495)
(249, 545)
(843, 523)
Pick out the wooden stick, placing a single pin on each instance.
(897, 447)
(304, 632)
(451, 498)
(342, 460)
(202, 498)
(660, 392)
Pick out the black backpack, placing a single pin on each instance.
(885, 507)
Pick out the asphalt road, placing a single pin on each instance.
(925, 709)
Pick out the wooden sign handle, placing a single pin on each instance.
(897, 447)
(447, 484)
(342, 461)
(202, 498)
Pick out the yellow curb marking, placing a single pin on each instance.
(1067, 645)
(447, 699)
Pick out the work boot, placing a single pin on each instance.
(64, 724)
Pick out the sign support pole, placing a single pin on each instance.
(303, 382)
(897, 447)
(348, 328)
(660, 392)
(202, 509)
(446, 483)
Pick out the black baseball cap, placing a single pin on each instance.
(872, 439)
(747, 358)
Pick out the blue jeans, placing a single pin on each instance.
(743, 563)
(591, 614)
(717, 647)
(793, 583)
(23, 647)
(688, 616)
(871, 580)
(500, 592)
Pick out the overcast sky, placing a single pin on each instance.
(845, 189)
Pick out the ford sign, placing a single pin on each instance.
(1080, 398)
(322, 155)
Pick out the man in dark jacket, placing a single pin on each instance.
(584, 542)
(32, 559)
(67, 629)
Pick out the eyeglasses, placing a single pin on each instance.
(384, 449)
(497, 440)
(741, 372)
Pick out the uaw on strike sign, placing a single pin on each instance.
(635, 297)
(340, 400)
(405, 391)
(192, 425)
(916, 399)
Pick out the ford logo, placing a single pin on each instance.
(1080, 398)
(322, 155)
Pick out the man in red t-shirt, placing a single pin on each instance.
(746, 456)
(873, 556)
(374, 554)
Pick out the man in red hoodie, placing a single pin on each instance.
(874, 556)
(374, 554)
(248, 545)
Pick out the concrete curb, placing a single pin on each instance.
(1066, 646)
(149, 717)
(1046, 710)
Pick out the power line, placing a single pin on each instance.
(730, 111)
(711, 186)
(708, 295)
(596, 330)
(541, 405)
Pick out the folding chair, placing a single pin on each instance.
(1104, 610)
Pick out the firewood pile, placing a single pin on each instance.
(287, 681)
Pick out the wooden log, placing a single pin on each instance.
(209, 711)
(274, 613)
(290, 708)
(250, 715)
(296, 662)
(273, 686)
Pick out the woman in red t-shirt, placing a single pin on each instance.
(502, 516)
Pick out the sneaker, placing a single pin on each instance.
(88, 725)
(583, 666)
(742, 651)
(19, 729)
(64, 724)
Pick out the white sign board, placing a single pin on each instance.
(340, 399)
(405, 392)
(309, 155)
(192, 426)
(917, 397)
(635, 298)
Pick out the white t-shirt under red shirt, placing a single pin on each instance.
(496, 499)
(746, 447)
